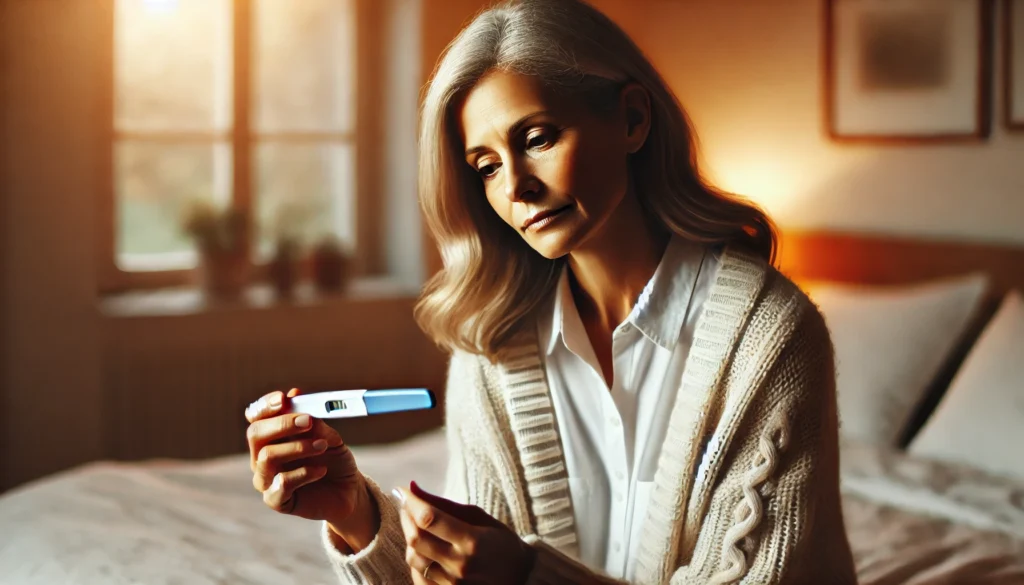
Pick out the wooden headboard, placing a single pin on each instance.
(876, 259)
(884, 260)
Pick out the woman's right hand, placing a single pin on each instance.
(303, 468)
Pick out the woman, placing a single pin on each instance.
(634, 393)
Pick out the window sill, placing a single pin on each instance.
(183, 301)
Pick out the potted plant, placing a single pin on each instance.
(330, 265)
(220, 237)
(283, 269)
(289, 221)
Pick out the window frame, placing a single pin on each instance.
(368, 250)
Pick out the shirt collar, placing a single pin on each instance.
(659, 311)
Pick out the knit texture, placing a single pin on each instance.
(747, 485)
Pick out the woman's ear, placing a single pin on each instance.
(636, 104)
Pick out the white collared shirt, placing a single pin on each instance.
(612, 437)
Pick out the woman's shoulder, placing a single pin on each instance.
(474, 380)
(467, 371)
(778, 301)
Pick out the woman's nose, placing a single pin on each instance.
(520, 182)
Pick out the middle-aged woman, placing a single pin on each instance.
(634, 393)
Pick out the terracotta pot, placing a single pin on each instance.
(222, 275)
(283, 272)
(330, 269)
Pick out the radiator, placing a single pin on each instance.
(177, 386)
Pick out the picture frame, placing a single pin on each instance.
(908, 71)
(1013, 64)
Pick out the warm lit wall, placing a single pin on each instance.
(51, 409)
(748, 72)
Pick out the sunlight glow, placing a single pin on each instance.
(161, 5)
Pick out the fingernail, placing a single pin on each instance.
(276, 400)
(399, 495)
(276, 484)
(254, 408)
(302, 421)
(319, 444)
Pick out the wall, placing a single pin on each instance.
(748, 73)
(3, 233)
(51, 414)
(176, 386)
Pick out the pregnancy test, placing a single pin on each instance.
(356, 403)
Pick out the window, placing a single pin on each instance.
(250, 103)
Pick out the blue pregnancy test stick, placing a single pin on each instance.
(356, 403)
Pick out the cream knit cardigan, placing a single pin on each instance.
(747, 485)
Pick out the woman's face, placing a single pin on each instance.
(553, 168)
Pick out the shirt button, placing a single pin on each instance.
(619, 475)
(613, 421)
(618, 498)
(618, 547)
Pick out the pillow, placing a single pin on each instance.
(890, 344)
(980, 420)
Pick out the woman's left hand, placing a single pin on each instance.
(459, 544)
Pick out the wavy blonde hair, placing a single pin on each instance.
(492, 282)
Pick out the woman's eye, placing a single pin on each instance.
(487, 171)
(538, 140)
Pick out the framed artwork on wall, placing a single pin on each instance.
(907, 71)
(1013, 64)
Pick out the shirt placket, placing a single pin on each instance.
(617, 446)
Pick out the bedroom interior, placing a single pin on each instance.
(120, 406)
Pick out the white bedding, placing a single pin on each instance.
(174, 523)
(910, 521)
(918, 522)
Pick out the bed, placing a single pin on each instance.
(911, 519)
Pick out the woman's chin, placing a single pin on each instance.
(552, 244)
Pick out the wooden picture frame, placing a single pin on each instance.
(1013, 64)
(907, 71)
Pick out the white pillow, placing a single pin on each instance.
(890, 343)
(980, 420)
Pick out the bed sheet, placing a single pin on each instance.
(910, 521)
(175, 522)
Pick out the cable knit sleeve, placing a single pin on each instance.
(383, 560)
(774, 517)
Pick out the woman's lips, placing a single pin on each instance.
(543, 219)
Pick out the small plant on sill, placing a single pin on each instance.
(331, 265)
(220, 238)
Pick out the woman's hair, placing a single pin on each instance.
(492, 282)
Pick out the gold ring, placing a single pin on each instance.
(426, 572)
